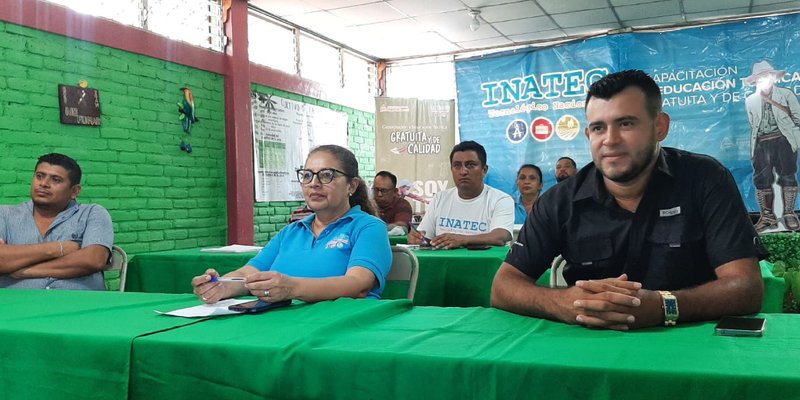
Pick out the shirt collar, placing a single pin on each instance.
(349, 215)
(72, 207)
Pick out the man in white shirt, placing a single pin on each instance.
(472, 213)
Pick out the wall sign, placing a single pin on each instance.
(284, 131)
(79, 105)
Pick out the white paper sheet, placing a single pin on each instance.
(234, 248)
(206, 310)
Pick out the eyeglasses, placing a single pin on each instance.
(325, 175)
(382, 191)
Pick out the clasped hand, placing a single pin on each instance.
(611, 303)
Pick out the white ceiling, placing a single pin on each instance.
(397, 29)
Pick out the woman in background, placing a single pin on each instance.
(529, 183)
(341, 250)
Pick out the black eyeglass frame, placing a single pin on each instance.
(382, 191)
(302, 171)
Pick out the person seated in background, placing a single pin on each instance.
(52, 242)
(565, 168)
(529, 184)
(651, 235)
(394, 210)
(341, 250)
(471, 213)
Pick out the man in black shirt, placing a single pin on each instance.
(637, 223)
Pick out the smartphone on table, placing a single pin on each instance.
(741, 326)
(258, 306)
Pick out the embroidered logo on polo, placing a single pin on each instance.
(669, 212)
(339, 242)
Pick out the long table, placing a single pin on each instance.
(85, 345)
(459, 277)
(57, 344)
(450, 278)
(172, 271)
(356, 349)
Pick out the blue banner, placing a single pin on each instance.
(528, 106)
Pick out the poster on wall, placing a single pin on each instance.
(718, 83)
(79, 105)
(413, 139)
(284, 131)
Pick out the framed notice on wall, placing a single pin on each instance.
(79, 105)
(284, 131)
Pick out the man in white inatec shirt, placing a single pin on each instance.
(472, 213)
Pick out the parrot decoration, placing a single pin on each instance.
(187, 116)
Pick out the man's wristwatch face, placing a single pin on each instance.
(670, 304)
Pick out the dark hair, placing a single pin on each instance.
(570, 160)
(350, 167)
(611, 84)
(389, 175)
(72, 167)
(470, 145)
(535, 168)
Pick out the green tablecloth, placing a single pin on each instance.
(458, 277)
(360, 349)
(84, 345)
(57, 344)
(450, 278)
(217, 352)
(393, 240)
(172, 271)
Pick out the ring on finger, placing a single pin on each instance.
(266, 293)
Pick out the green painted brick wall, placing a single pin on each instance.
(159, 197)
(270, 217)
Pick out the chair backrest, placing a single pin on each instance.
(515, 235)
(557, 272)
(405, 268)
(119, 262)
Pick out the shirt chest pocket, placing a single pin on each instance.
(674, 233)
(590, 258)
(675, 245)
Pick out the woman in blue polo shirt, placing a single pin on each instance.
(341, 250)
(529, 183)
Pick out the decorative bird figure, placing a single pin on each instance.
(187, 110)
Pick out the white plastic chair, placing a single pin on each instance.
(119, 262)
(557, 272)
(405, 268)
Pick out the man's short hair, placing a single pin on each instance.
(72, 167)
(611, 84)
(387, 174)
(571, 161)
(470, 145)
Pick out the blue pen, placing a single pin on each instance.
(223, 279)
(425, 241)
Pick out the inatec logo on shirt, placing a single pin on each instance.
(467, 225)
